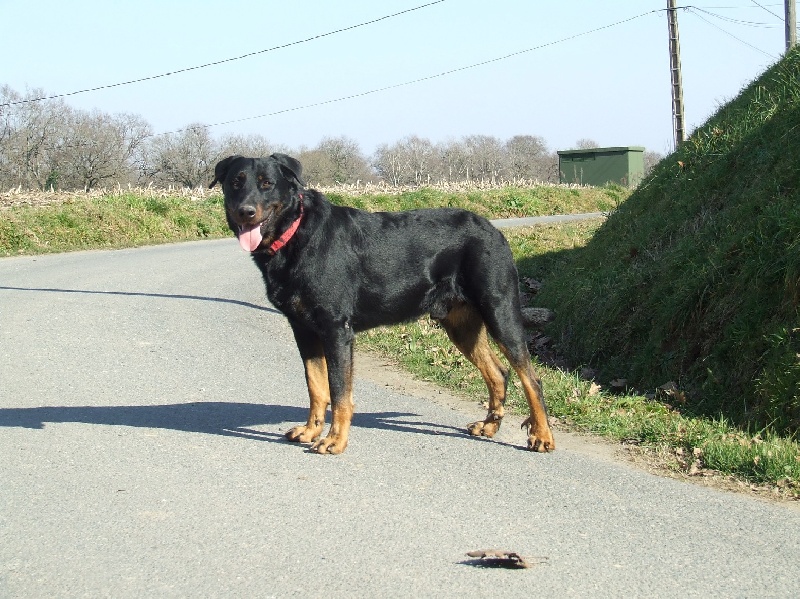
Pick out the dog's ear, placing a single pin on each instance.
(221, 170)
(291, 168)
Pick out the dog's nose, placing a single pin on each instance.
(247, 212)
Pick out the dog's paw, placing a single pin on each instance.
(331, 444)
(540, 439)
(304, 433)
(540, 445)
(483, 428)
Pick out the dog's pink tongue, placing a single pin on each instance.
(250, 237)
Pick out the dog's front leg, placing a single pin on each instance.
(310, 346)
(339, 355)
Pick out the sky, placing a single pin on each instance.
(578, 69)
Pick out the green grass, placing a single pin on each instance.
(500, 202)
(112, 221)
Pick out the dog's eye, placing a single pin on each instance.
(239, 181)
(264, 184)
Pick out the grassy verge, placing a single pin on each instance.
(693, 446)
(113, 221)
(499, 202)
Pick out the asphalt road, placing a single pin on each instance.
(527, 221)
(143, 398)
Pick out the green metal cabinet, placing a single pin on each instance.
(598, 166)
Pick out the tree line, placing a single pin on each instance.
(49, 145)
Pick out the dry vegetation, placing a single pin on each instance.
(19, 197)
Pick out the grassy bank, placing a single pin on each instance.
(695, 280)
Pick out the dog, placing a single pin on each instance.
(334, 271)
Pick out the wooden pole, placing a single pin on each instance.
(675, 74)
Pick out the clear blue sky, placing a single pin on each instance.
(611, 86)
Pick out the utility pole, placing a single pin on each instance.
(675, 73)
(791, 24)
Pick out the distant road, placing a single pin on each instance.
(527, 221)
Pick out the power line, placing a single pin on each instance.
(224, 60)
(732, 20)
(697, 14)
(766, 9)
(414, 81)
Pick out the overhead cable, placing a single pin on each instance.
(419, 80)
(224, 60)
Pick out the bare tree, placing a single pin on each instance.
(586, 144)
(335, 160)
(485, 154)
(185, 158)
(416, 161)
(454, 161)
(8, 170)
(388, 163)
(527, 157)
(318, 169)
(420, 158)
(246, 145)
(651, 159)
(99, 148)
(32, 134)
(46, 143)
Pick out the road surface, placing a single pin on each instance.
(144, 394)
(528, 221)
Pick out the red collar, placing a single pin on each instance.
(288, 233)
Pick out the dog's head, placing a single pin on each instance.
(261, 196)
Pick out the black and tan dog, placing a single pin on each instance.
(335, 271)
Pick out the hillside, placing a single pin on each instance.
(695, 279)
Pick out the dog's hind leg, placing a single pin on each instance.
(540, 437)
(316, 368)
(505, 324)
(467, 331)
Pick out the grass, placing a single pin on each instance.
(112, 221)
(499, 202)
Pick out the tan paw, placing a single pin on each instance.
(334, 444)
(482, 428)
(304, 433)
(540, 438)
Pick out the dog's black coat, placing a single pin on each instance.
(347, 270)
